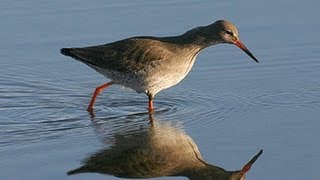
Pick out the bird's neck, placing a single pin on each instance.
(206, 171)
(197, 37)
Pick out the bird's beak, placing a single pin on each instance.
(245, 49)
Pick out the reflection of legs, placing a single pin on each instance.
(151, 119)
(150, 103)
(96, 93)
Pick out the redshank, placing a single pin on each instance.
(150, 64)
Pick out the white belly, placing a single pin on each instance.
(151, 80)
(170, 77)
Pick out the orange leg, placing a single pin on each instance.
(96, 93)
(150, 104)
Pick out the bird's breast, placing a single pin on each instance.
(169, 74)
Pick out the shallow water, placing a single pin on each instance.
(228, 105)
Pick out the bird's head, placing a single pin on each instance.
(223, 31)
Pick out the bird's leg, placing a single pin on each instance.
(150, 103)
(96, 93)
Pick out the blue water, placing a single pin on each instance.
(230, 106)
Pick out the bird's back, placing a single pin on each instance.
(123, 56)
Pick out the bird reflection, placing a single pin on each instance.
(157, 149)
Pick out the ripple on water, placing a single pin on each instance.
(194, 108)
(205, 108)
(185, 105)
(289, 98)
(36, 111)
(209, 108)
(189, 106)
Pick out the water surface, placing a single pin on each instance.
(228, 105)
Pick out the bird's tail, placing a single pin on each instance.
(69, 52)
(81, 169)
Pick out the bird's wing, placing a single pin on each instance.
(131, 54)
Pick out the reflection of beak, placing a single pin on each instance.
(247, 167)
(245, 49)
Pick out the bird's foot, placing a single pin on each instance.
(91, 113)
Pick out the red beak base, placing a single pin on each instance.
(246, 50)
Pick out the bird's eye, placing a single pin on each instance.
(228, 32)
